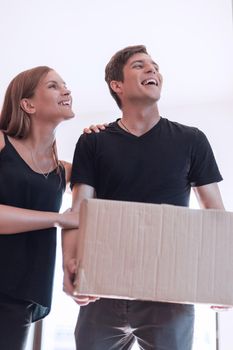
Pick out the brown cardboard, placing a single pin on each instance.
(155, 252)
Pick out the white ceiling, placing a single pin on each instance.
(190, 39)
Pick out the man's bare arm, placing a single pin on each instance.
(209, 196)
(69, 237)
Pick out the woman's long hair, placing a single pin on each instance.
(14, 121)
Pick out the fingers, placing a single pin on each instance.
(95, 128)
(87, 131)
(69, 277)
(70, 219)
(68, 287)
(69, 282)
(102, 126)
(83, 300)
(67, 211)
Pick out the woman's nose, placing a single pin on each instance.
(66, 91)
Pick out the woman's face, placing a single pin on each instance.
(52, 100)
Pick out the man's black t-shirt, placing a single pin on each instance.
(158, 167)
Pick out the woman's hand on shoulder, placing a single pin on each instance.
(95, 128)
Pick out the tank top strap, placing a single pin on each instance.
(6, 138)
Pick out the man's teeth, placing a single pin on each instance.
(150, 82)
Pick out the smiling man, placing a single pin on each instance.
(141, 157)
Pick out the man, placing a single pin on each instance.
(141, 157)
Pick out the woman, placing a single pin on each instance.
(32, 181)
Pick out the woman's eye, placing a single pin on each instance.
(52, 86)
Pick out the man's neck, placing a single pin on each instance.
(138, 121)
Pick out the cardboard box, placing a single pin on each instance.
(155, 252)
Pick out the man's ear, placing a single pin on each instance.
(27, 106)
(116, 86)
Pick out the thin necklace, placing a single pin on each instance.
(41, 172)
(124, 126)
(46, 175)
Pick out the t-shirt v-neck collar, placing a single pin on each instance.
(140, 136)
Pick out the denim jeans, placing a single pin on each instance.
(115, 324)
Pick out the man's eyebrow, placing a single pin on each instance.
(143, 61)
(137, 61)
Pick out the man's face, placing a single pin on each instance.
(142, 80)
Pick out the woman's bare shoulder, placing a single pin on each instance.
(2, 141)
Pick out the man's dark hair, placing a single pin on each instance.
(114, 68)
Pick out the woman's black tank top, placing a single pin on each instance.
(27, 259)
